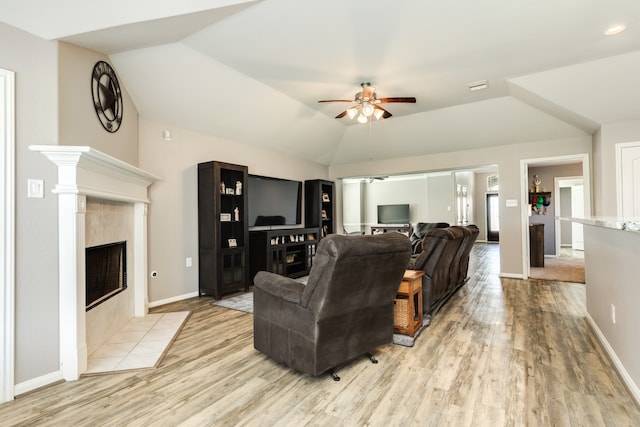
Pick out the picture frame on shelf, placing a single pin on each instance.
(225, 217)
(232, 243)
(325, 197)
(324, 214)
(230, 191)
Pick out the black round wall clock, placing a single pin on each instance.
(107, 98)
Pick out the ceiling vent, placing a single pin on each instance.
(479, 85)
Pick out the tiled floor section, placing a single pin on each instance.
(139, 345)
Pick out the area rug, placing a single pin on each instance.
(244, 302)
(561, 269)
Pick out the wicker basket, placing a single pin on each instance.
(401, 312)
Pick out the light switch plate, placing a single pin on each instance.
(512, 203)
(35, 188)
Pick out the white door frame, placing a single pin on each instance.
(7, 234)
(556, 186)
(619, 180)
(524, 193)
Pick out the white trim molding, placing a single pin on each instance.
(622, 372)
(7, 234)
(85, 172)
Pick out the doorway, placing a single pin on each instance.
(525, 164)
(493, 217)
(570, 203)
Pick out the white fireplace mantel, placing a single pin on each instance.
(85, 172)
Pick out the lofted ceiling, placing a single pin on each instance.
(253, 71)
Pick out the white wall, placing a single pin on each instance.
(410, 191)
(352, 212)
(441, 200)
(173, 213)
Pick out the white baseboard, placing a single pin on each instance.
(36, 383)
(173, 299)
(622, 372)
(511, 276)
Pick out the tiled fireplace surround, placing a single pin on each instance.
(100, 200)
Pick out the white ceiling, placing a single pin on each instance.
(253, 71)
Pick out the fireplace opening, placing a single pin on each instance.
(106, 272)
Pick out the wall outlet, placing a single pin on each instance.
(613, 314)
(189, 262)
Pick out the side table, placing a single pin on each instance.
(408, 304)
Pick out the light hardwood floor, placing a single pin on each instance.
(501, 352)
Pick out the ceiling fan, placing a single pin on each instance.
(368, 104)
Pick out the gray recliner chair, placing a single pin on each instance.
(344, 311)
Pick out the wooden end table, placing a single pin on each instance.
(410, 290)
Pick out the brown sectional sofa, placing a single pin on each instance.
(445, 261)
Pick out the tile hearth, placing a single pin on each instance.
(141, 344)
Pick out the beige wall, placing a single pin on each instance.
(173, 215)
(78, 122)
(36, 271)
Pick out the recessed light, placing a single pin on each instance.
(615, 29)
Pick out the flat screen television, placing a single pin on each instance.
(274, 201)
(393, 214)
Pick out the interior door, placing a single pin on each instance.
(577, 211)
(629, 177)
(493, 218)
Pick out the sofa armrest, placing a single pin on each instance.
(279, 286)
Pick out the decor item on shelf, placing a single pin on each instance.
(368, 105)
(320, 211)
(233, 243)
(230, 191)
(536, 183)
(539, 202)
(225, 217)
(238, 188)
(222, 187)
(236, 214)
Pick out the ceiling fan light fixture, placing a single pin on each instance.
(362, 119)
(351, 112)
(367, 109)
(378, 114)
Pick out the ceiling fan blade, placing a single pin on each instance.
(411, 99)
(385, 113)
(337, 100)
(341, 115)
